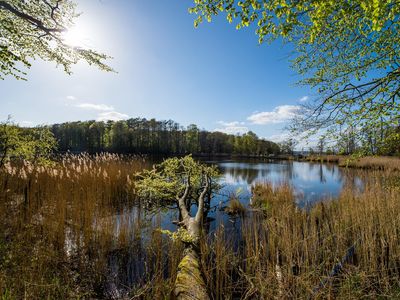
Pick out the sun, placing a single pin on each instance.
(75, 37)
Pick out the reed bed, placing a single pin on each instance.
(345, 249)
(76, 230)
(325, 158)
(60, 225)
(373, 162)
(389, 163)
(235, 207)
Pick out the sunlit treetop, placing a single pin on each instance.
(347, 50)
(36, 29)
(284, 17)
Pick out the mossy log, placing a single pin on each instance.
(189, 283)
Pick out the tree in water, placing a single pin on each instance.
(183, 182)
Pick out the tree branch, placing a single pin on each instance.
(34, 21)
(181, 201)
(200, 209)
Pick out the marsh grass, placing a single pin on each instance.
(59, 225)
(389, 163)
(373, 162)
(235, 207)
(76, 230)
(289, 253)
(285, 252)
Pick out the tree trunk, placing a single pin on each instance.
(189, 283)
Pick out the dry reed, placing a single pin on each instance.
(289, 253)
(389, 163)
(59, 224)
(75, 230)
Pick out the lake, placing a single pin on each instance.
(312, 182)
(82, 215)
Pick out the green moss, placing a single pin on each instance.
(180, 235)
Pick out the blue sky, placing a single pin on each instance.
(213, 76)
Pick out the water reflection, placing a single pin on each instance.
(312, 182)
(111, 239)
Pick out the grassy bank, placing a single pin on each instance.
(390, 163)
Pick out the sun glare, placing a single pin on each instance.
(75, 37)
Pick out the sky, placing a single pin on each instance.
(213, 76)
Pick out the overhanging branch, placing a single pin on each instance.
(34, 21)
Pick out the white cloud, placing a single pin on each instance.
(304, 99)
(26, 123)
(105, 112)
(278, 138)
(101, 107)
(279, 114)
(304, 142)
(112, 116)
(71, 98)
(234, 127)
(231, 124)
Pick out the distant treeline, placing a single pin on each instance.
(142, 136)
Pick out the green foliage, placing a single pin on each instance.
(282, 18)
(31, 144)
(287, 146)
(348, 51)
(31, 29)
(180, 235)
(167, 181)
(7, 295)
(140, 136)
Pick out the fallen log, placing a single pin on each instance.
(189, 283)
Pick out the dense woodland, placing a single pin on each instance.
(142, 136)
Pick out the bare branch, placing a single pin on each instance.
(200, 209)
(182, 201)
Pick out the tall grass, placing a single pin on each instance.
(289, 253)
(76, 230)
(60, 224)
(389, 163)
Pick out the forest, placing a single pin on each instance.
(142, 136)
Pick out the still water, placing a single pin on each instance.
(82, 215)
(312, 182)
